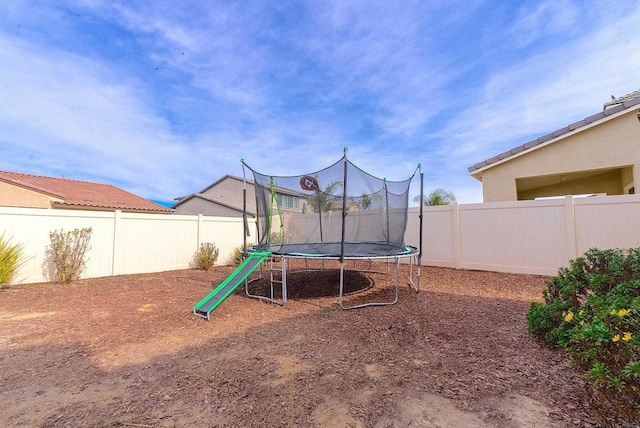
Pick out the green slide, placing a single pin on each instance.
(212, 300)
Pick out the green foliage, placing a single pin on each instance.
(592, 310)
(438, 197)
(206, 256)
(275, 238)
(322, 200)
(365, 202)
(67, 252)
(237, 254)
(11, 259)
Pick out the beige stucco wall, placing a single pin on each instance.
(16, 196)
(605, 183)
(200, 206)
(614, 143)
(229, 191)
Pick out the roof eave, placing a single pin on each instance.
(70, 206)
(553, 137)
(213, 201)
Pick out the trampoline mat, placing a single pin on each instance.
(332, 249)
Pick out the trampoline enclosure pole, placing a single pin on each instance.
(319, 213)
(244, 212)
(421, 212)
(344, 206)
(272, 188)
(386, 197)
(420, 223)
(344, 218)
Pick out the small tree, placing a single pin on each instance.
(438, 196)
(11, 259)
(365, 202)
(322, 200)
(67, 252)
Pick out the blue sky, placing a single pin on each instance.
(162, 98)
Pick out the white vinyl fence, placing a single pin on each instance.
(534, 237)
(121, 243)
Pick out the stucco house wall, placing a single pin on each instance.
(229, 191)
(197, 205)
(225, 198)
(16, 196)
(222, 198)
(602, 157)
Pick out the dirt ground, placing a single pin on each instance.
(128, 351)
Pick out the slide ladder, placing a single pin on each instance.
(221, 292)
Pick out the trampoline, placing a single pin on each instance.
(333, 250)
(339, 213)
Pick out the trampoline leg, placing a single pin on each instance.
(415, 286)
(364, 305)
(284, 280)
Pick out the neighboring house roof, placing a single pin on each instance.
(251, 183)
(83, 194)
(610, 108)
(215, 183)
(181, 199)
(635, 95)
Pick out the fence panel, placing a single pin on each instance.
(226, 233)
(535, 237)
(153, 243)
(607, 222)
(527, 236)
(31, 227)
(121, 243)
(438, 234)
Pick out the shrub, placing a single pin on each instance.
(275, 238)
(67, 252)
(592, 310)
(237, 254)
(11, 259)
(206, 256)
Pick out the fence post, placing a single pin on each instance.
(199, 232)
(572, 251)
(455, 213)
(115, 269)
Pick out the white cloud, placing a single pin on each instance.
(71, 113)
(547, 91)
(287, 86)
(536, 20)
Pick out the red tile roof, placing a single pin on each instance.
(83, 194)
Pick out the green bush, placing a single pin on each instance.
(592, 310)
(206, 256)
(237, 254)
(67, 252)
(275, 238)
(11, 259)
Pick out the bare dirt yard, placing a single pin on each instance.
(128, 351)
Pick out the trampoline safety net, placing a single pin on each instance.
(339, 210)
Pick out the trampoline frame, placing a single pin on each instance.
(412, 253)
